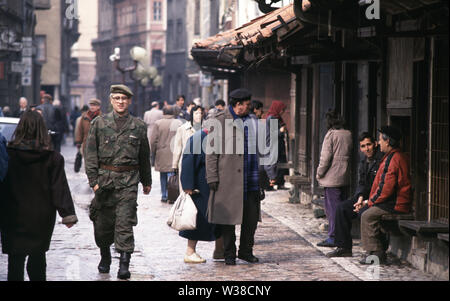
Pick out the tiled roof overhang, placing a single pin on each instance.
(238, 48)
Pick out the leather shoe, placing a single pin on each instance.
(164, 200)
(340, 252)
(249, 258)
(230, 261)
(329, 243)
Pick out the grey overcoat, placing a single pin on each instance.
(225, 206)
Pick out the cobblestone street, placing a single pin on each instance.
(285, 244)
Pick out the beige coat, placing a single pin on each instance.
(334, 165)
(150, 117)
(184, 132)
(225, 206)
(161, 142)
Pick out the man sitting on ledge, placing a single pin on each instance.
(390, 193)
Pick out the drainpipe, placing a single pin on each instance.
(430, 124)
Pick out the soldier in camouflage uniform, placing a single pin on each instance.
(117, 159)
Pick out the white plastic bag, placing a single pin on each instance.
(183, 214)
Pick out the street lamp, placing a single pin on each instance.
(141, 71)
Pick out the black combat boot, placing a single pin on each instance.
(124, 273)
(105, 262)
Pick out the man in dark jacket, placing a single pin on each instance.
(49, 114)
(345, 213)
(390, 193)
(3, 158)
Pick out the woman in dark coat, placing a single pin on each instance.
(35, 188)
(276, 174)
(193, 181)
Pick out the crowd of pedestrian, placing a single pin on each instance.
(226, 183)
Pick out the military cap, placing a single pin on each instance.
(391, 132)
(121, 89)
(95, 101)
(241, 94)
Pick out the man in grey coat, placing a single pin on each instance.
(333, 172)
(232, 172)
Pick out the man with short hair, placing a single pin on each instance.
(345, 213)
(180, 104)
(23, 106)
(257, 108)
(220, 105)
(233, 177)
(390, 193)
(117, 158)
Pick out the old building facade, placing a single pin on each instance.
(20, 70)
(56, 32)
(322, 55)
(123, 25)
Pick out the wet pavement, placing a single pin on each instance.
(284, 242)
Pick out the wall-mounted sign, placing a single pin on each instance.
(27, 53)
(17, 67)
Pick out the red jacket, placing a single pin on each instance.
(391, 189)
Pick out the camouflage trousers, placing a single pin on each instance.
(114, 213)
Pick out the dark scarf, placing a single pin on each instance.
(251, 163)
(91, 115)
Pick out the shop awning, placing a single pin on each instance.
(238, 48)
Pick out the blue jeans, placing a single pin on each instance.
(163, 177)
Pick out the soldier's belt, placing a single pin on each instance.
(119, 168)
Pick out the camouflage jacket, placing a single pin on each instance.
(126, 147)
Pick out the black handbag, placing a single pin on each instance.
(77, 164)
(173, 188)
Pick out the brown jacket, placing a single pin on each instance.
(82, 130)
(334, 165)
(161, 142)
(226, 205)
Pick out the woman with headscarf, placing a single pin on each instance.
(184, 132)
(276, 174)
(35, 189)
(191, 164)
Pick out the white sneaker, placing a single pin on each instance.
(194, 258)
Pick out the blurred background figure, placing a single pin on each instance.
(150, 117)
(7, 111)
(162, 135)
(85, 123)
(257, 109)
(23, 106)
(275, 172)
